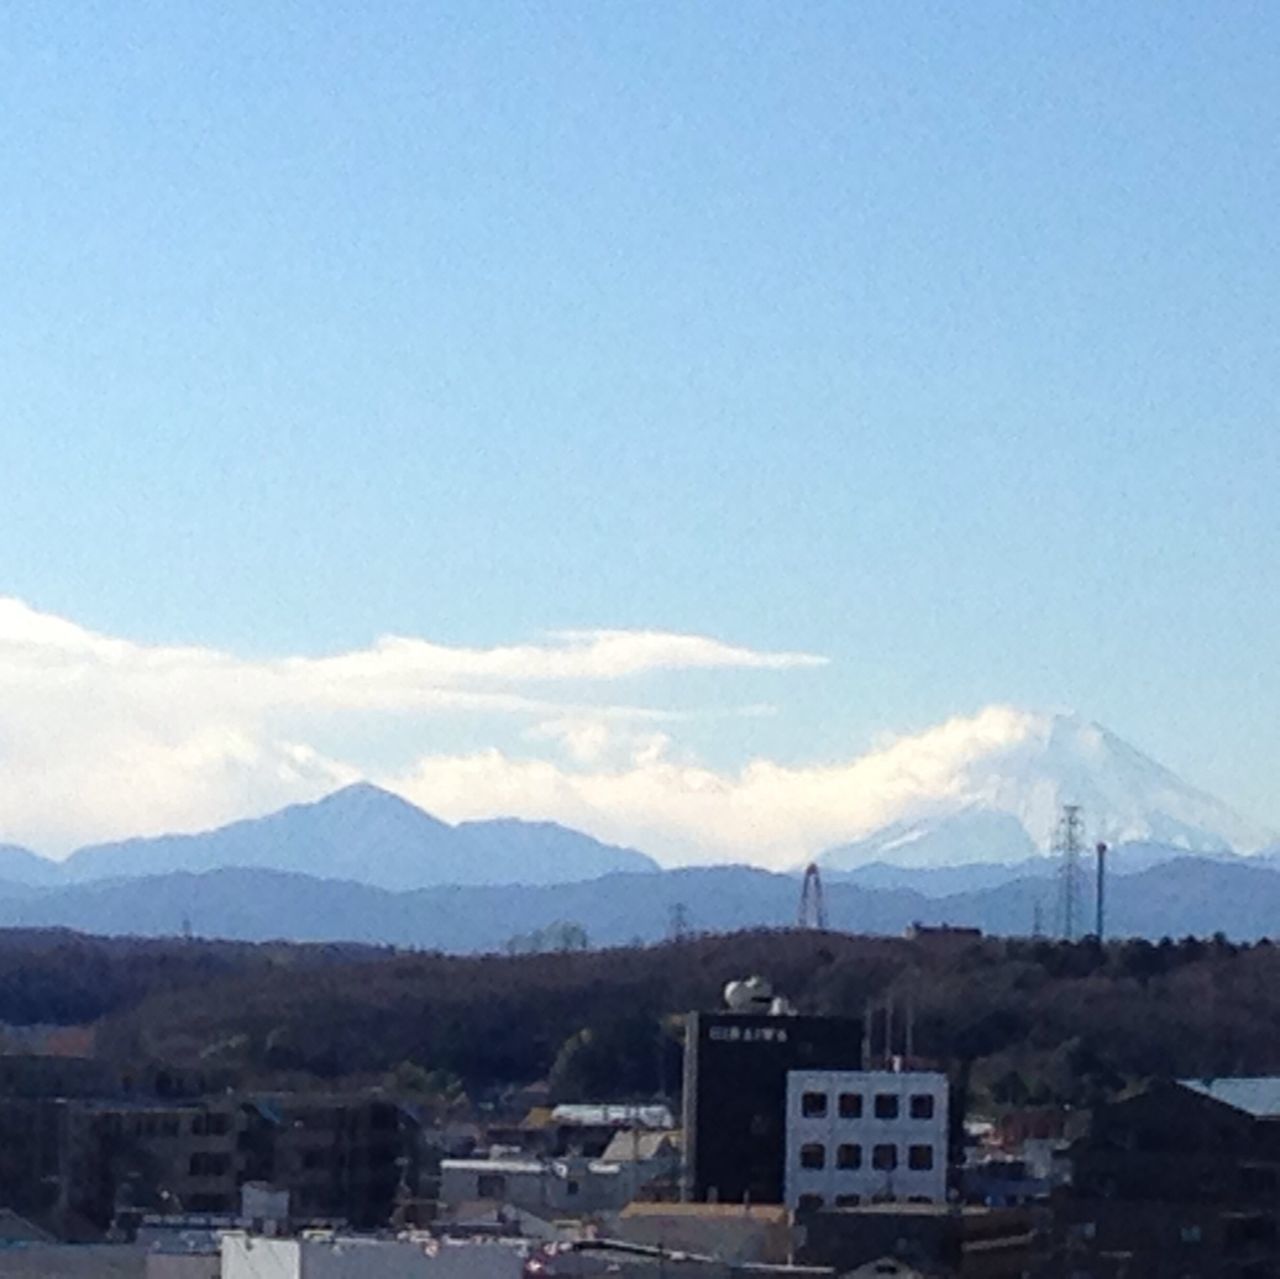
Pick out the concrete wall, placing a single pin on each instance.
(73, 1261)
(170, 1265)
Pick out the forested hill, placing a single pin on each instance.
(1036, 1020)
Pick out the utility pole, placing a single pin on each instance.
(679, 921)
(1101, 850)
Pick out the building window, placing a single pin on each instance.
(491, 1185)
(848, 1201)
(206, 1163)
(922, 1106)
(1191, 1234)
(571, 1188)
(886, 1105)
(211, 1125)
(808, 1203)
(813, 1105)
(813, 1155)
(848, 1156)
(920, 1158)
(885, 1157)
(850, 1105)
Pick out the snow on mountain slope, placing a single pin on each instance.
(994, 785)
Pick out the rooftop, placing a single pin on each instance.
(1258, 1096)
(718, 1211)
(627, 1147)
(614, 1116)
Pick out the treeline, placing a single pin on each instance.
(1025, 1020)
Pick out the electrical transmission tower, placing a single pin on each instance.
(1068, 846)
(813, 911)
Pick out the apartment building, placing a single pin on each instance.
(864, 1136)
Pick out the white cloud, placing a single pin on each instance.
(766, 813)
(102, 737)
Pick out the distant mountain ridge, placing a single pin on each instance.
(1189, 895)
(361, 834)
(975, 803)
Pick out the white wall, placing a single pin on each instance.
(831, 1130)
(354, 1257)
(253, 1257)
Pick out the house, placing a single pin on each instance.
(569, 1187)
(928, 1239)
(1182, 1178)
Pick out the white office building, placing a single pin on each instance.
(865, 1136)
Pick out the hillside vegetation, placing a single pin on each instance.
(1027, 1020)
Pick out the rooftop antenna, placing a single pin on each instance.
(1037, 919)
(1068, 845)
(813, 911)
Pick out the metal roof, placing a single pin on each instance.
(1258, 1096)
(617, 1116)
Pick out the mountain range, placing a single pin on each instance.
(360, 833)
(363, 864)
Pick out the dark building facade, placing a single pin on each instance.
(735, 1096)
(76, 1165)
(929, 1239)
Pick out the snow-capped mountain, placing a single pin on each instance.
(996, 784)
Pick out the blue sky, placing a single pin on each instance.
(939, 341)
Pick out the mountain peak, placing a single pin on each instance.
(363, 833)
(361, 795)
(990, 787)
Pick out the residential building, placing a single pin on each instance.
(79, 1165)
(865, 1136)
(1181, 1179)
(573, 1186)
(579, 1129)
(927, 1239)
